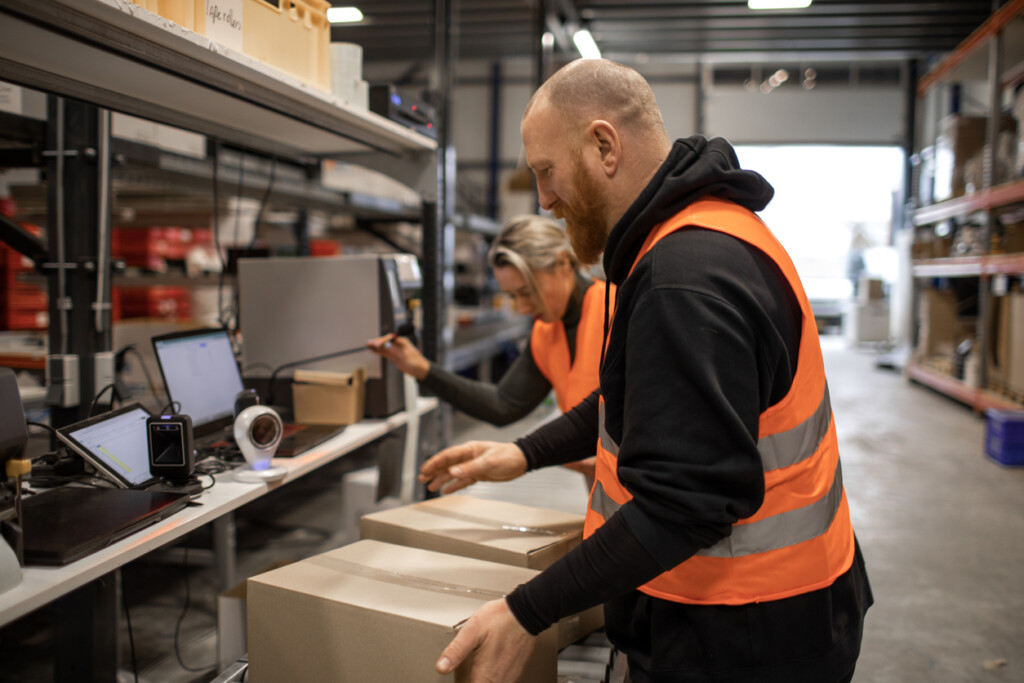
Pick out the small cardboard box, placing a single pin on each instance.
(517, 535)
(373, 611)
(322, 397)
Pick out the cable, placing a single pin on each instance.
(326, 356)
(128, 620)
(142, 363)
(171, 405)
(263, 202)
(43, 425)
(181, 618)
(96, 399)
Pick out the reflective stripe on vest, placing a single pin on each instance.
(801, 538)
(770, 533)
(572, 380)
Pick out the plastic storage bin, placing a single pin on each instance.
(1004, 436)
(291, 35)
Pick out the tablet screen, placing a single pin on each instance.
(115, 443)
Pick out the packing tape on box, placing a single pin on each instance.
(398, 578)
(567, 529)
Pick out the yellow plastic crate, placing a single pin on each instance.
(290, 35)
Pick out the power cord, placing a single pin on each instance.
(181, 618)
(96, 399)
(128, 621)
(171, 405)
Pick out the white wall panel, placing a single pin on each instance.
(861, 115)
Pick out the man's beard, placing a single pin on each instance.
(584, 221)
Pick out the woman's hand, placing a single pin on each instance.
(402, 353)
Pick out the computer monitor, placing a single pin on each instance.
(201, 376)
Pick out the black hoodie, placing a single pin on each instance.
(705, 338)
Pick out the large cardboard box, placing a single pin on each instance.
(940, 328)
(1015, 342)
(321, 397)
(513, 534)
(374, 611)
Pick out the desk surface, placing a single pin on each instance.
(41, 585)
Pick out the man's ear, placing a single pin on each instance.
(608, 143)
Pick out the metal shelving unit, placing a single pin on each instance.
(112, 55)
(993, 55)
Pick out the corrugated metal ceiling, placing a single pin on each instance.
(660, 30)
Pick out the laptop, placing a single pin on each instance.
(202, 380)
(69, 522)
(115, 443)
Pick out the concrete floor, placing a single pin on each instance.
(941, 526)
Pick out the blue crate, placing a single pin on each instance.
(1004, 436)
(1008, 425)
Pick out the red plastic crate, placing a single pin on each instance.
(324, 248)
(24, 320)
(167, 303)
(152, 248)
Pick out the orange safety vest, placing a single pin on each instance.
(801, 538)
(572, 381)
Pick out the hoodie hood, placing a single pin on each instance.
(695, 168)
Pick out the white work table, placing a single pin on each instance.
(41, 585)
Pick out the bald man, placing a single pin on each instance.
(718, 534)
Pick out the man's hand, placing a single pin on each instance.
(457, 467)
(500, 644)
(402, 353)
(587, 466)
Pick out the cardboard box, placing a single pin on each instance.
(1014, 335)
(870, 289)
(517, 535)
(940, 328)
(374, 611)
(231, 617)
(321, 397)
(867, 322)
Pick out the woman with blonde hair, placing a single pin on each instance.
(535, 265)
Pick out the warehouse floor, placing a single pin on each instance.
(941, 526)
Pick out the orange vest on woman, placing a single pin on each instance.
(801, 538)
(574, 380)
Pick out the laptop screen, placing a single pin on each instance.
(115, 443)
(201, 376)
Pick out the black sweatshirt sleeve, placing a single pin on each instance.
(570, 437)
(520, 390)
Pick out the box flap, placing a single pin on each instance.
(399, 580)
(504, 531)
(328, 377)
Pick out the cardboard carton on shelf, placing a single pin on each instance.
(373, 611)
(328, 398)
(940, 327)
(497, 531)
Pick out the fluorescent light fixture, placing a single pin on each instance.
(778, 4)
(344, 15)
(585, 44)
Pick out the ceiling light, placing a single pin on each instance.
(585, 44)
(344, 15)
(778, 4)
(548, 39)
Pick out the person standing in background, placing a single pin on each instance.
(535, 265)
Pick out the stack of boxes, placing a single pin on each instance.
(290, 35)
(385, 607)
